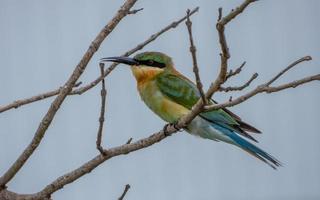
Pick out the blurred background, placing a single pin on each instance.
(42, 41)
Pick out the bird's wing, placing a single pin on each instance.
(184, 92)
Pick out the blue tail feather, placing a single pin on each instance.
(250, 148)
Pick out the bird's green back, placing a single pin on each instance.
(184, 92)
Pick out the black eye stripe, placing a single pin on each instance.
(152, 63)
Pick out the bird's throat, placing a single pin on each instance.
(144, 73)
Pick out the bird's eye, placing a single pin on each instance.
(150, 62)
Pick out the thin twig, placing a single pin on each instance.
(266, 88)
(239, 88)
(224, 56)
(129, 141)
(235, 72)
(92, 84)
(305, 58)
(193, 50)
(140, 46)
(79, 69)
(102, 110)
(134, 11)
(78, 84)
(126, 149)
(220, 14)
(126, 188)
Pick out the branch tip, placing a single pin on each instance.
(126, 188)
(131, 12)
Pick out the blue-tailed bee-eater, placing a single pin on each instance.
(171, 95)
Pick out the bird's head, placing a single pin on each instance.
(145, 65)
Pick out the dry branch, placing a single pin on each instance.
(79, 69)
(306, 58)
(239, 88)
(126, 189)
(92, 84)
(125, 149)
(193, 50)
(169, 128)
(235, 72)
(86, 168)
(103, 94)
(267, 88)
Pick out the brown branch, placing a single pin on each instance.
(268, 89)
(239, 88)
(87, 87)
(18, 103)
(143, 143)
(99, 159)
(123, 149)
(79, 69)
(126, 188)
(140, 46)
(225, 55)
(235, 12)
(235, 72)
(193, 50)
(9, 195)
(306, 58)
(103, 94)
(293, 84)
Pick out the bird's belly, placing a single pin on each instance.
(203, 128)
(165, 108)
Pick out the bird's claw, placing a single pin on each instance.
(165, 128)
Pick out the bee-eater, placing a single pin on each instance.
(171, 95)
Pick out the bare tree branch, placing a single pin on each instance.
(239, 88)
(235, 72)
(193, 50)
(87, 87)
(306, 58)
(103, 94)
(129, 147)
(123, 149)
(9, 195)
(47, 119)
(224, 56)
(134, 11)
(126, 188)
(268, 89)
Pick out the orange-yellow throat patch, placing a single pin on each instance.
(153, 97)
(145, 73)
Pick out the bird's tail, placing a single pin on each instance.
(254, 150)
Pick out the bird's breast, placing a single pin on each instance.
(160, 104)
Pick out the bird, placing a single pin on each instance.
(171, 95)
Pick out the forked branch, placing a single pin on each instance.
(79, 69)
(130, 146)
(267, 88)
(83, 89)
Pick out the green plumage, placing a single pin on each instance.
(182, 91)
(170, 95)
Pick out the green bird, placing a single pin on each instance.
(171, 95)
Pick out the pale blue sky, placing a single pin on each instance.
(42, 41)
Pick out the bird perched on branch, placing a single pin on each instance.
(171, 95)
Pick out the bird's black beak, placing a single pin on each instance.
(124, 60)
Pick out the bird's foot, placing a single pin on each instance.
(165, 128)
